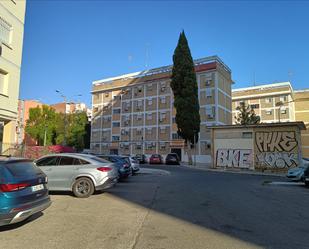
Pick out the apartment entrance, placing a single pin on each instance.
(177, 151)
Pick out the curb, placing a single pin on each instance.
(233, 171)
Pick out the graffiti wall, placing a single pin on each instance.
(236, 158)
(276, 149)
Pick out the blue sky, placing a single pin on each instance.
(69, 44)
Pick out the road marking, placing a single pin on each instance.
(153, 171)
(286, 183)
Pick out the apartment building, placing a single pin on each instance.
(12, 14)
(276, 102)
(301, 99)
(71, 107)
(134, 113)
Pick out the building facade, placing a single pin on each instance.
(134, 113)
(276, 102)
(12, 14)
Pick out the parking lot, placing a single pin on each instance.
(173, 207)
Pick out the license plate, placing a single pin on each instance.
(37, 187)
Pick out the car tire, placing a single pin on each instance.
(83, 187)
(307, 183)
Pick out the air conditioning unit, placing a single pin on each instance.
(207, 82)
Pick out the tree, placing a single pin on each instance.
(185, 89)
(41, 122)
(46, 120)
(246, 115)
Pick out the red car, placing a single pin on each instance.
(156, 159)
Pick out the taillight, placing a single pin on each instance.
(13, 187)
(104, 169)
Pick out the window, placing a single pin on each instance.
(140, 88)
(139, 104)
(3, 82)
(139, 132)
(149, 116)
(162, 130)
(210, 111)
(116, 124)
(138, 146)
(268, 100)
(254, 106)
(162, 145)
(162, 100)
(126, 106)
(283, 111)
(49, 161)
(115, 138)
(116, 111)
(149, 131)
(139, 117)
(247, 135)
(106, 95)
(175, 136)
(162, 116)
(284, 98)
(269, 112)
(149, 101)
(65, 160)
(5, 32)
(163, 87)
(174, 120)
(117, 97)
(149, 87)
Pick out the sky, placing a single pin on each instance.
(70, 44)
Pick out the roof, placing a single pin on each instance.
(299, 124)
(263, 87)
(163, 69)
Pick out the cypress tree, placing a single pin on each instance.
(185, 89)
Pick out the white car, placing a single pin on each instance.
(134, 164)
(297, 174)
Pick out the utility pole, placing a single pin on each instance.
(65, 116)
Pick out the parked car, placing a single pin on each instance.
(80, 173)
(141, 158)
(23, 190)
(297, 174)
(306, 176)
(123, 166)
(156, 159)
(172, 158)
(134, 164)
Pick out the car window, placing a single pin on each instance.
(21, 168)
(100, 159)
(65, 160)
(81, 161)
(47, 161)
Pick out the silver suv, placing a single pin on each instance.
(80, 173)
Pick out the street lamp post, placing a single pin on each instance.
(65, 115)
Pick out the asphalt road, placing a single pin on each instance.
(173, 207)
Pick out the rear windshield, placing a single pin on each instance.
(21, 168)
(155, 156)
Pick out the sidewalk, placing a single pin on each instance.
(207, 167)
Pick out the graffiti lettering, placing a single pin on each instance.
(281, 141)
(277, 149)
(277, 159)
(234, 158)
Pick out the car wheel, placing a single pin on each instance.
(307, 183)
(83, 187)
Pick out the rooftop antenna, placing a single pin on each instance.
(290, 74)
(147, 56)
